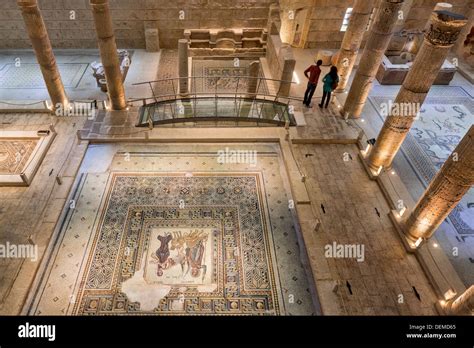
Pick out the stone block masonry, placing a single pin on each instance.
(327, 16)
(70, 23)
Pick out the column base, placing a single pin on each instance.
(373, 175)
(407, 243)
(440, 309)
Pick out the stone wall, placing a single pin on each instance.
(131, 18)
(327, 17)
(273, 50)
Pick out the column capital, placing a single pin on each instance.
(445, 28)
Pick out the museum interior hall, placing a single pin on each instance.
(250, 157)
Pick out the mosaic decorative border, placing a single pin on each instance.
(136, 202)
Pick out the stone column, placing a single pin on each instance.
(274, 22)
(183, 66)
(375, 48)
(397, 42)
(108, 53)
(44, 52)
(454, 179)
(445, 28)
(464, 304)
(289, 63)
(252, 84)
(287, 17)
(152, 40)
(352, 40)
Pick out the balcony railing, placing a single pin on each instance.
(240, 99)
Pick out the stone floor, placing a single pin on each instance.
(28, 214)
(19, 72)
(426, 148)
(351, 209)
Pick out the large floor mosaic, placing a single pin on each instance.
(28, 75)
(174, 243)
(442, 123)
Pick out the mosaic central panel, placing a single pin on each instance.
(14, 154)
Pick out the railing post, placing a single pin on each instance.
(215, 98)
(153, 92)
(236, 91)
(195, 98)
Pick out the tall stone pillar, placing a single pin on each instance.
(397, 43)
(287, 17)
(464, 304)
(289, 63)
(274, 22)
(44, 52)
(444, 31)
(352, 40)
(183, 66)
(375, 48)
(108, 53)
(252, 84)
(454, 179)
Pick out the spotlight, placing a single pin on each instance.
(295, 77)
(402, 211)
(449, 295)
(418, 242)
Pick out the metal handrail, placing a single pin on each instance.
(209, 95)
(211, 77)
(146, 117)
(216, 93)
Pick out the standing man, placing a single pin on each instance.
(314, 71)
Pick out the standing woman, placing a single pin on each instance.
(331, 80)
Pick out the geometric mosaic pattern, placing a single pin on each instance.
(28, 75)
(14, 154)
(146, 238)
(137, 205)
